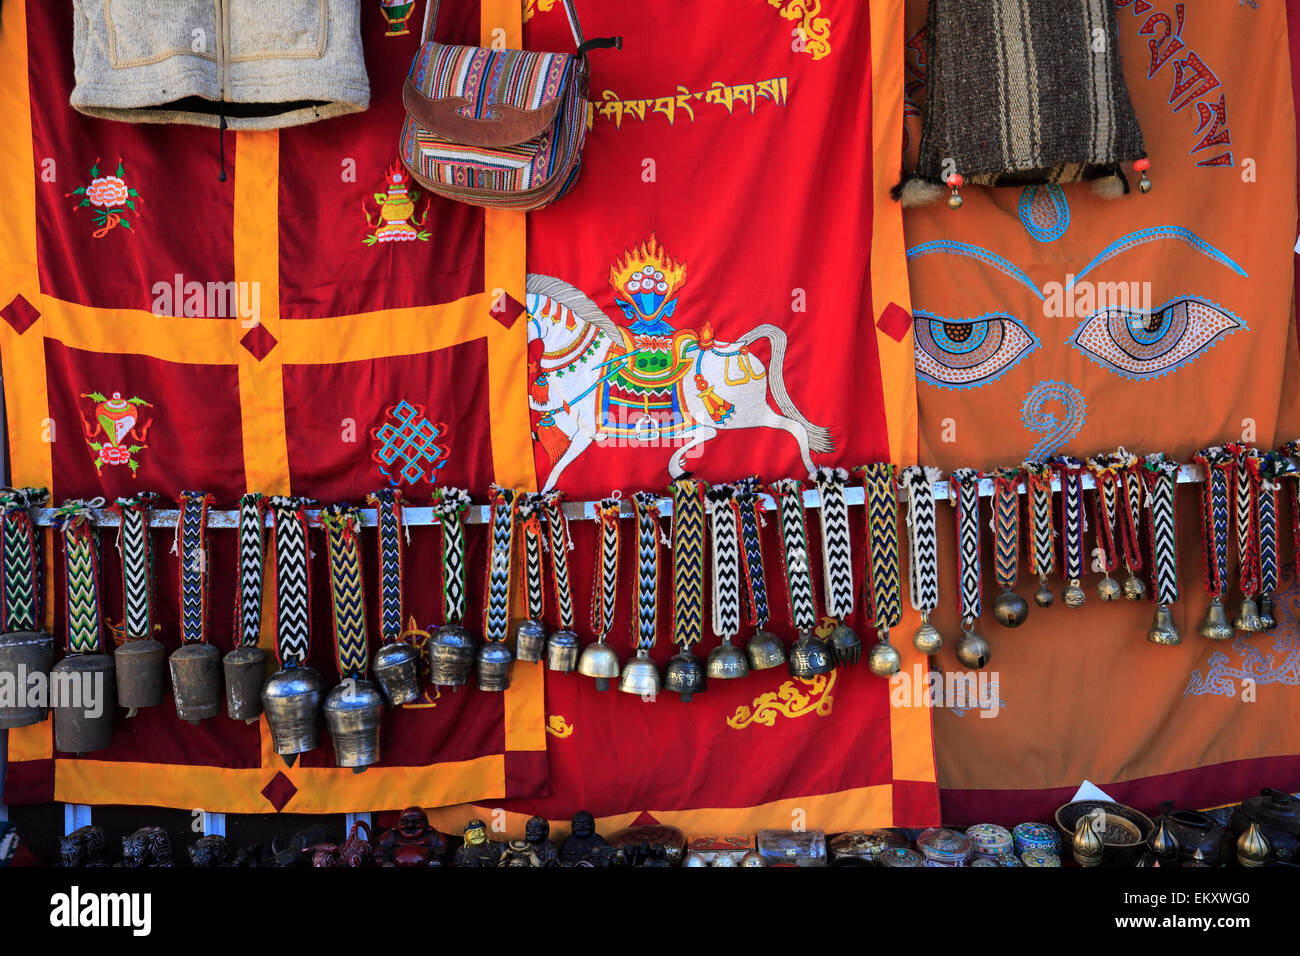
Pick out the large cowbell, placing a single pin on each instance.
(23, 654)
(197, 681)
(140, 673)
(245, 670)
(353, 712)
(291, 700)
(84, 691)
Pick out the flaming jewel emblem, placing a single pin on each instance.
(116, 419)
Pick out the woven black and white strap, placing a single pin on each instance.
(922, 537)
(605, 581)
(557, 525)
(292, 580)
(837, 550)
(757, 609)
(724, 521)
(1006, 527)
(501, 540)
(647, 569)
(1073, 524)
(451, 505)
(75, 520)
(964, 485)
(192, 541)
(1042, 530)
(387, 503)
(252, 569)
(1161, 478)
(22, 561)
(135, 545)
(1216, 516)
(794, 553)
(532, 518)
(1271, 468)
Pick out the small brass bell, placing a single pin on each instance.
(1087, 845)
(452, 653)
(726, 662)
(927, 638)
(1267, 617)
(1163, 843)
(1253, 848)
(1248, 617)
(530, 641)
(140, 668)
(1108, 589)
(494, 661)
(1215, 627)
(196, 681)
(562, 651)
(599, 661)
(955, 182)
(1134, 589)
(24, 654)
(684, 675)
(809, 656)
(1043, 597)
(291, 699)
(845, 645)
(397, 670)
(245, 669)
(972, 650)
(1142, 165)
(87, 696)
(765, 650)
(640, 676)
(1163, 630)
(1010, 609)
(1073, 595)
(353, 712)
(883, 659)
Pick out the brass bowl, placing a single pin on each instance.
(1127, 829)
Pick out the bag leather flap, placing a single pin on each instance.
(484, 97)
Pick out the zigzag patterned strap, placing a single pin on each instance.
(647, 568)
(1105, 472)
(531, 516)
(1006, 527)
(794, 552)
(557, 524)
(837, 554)
(1038, 513)
(496, 608)
(1161, 476)
(688, 562)
(451, 504)
(1245, 465)
(342, 524)
(135, 546)
(724, 521)
(192, 551)
(387, 503)
(252, 569)
(880, 485)
(292, 580)
(605, 580)
(756, 610)
(22, 561)
(964, 483)
(1129, 476)
(1269, 469)
(922, 537)
(1291, 450)
(75, 521)
(1070, 471)
(1215, 521)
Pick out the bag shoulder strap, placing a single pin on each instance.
(431, 21)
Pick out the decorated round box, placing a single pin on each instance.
(989, 840)
(943, 847)
(1036, 836)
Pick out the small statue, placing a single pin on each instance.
(585, 845)
(147, 846)
(478, 850)
(413, 842)
(535, 849)
(210, 851)
(83, 847)
(355, 851)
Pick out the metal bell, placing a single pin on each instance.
(245, 670)
(1010, 609)
(845, 645)
(1162, 628)
(600, 661)
(140, 668)
(451, 655)
(397, 669)
(972, 650)
(291, 699)
(883, 658)
(1215, 627)
(684, 675)
(1108, 589)
(640, 676)
(1043, 597)
(1134, 589)
(530, 641)
(22, 655)
(83, 689)
(927, 638)
(1073, 595)
(809, 656)
(196, 681)
(1248, 617)
(764, 650)
(353, 712)
(1267, 617)
(726, 662)
(562, 651)
(494, 662)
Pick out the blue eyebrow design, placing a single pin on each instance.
(1143, 236)
(978, 253)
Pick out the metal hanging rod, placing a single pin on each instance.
(575, 510)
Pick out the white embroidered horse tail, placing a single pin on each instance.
(819, 437)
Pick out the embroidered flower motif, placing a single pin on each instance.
(110, 196)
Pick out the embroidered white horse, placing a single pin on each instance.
(583, 350)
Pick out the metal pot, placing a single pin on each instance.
(22, 654)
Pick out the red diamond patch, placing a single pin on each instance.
(506, 309)
(281, 789)
(894, 321)
(258, 341)
(20, 314)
